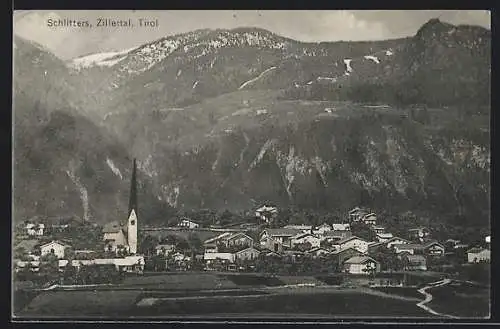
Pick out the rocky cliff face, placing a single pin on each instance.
(206, 117)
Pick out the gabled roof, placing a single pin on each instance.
(55, 241)
(302, 235)
(350, 238)
(384, 235)
(317, 249)
(347, 249)
(246, 249)
(359, 260)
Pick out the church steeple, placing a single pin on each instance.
(132, 204)
(132, 213)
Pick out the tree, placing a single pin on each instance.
(49, 267)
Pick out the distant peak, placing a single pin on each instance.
(433, 26)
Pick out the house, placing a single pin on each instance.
(227, 240)
(302, 227)
(378, 229)
(249, 253)
(303, 238)
(35, 229)
(356, 214)
(282, 235)
(433, 248)
(487, 239)
(271, 244)
(319, 230)
(414, 262)
(164, 249)
(395, 240)
(369, 219)
(361, 265)
(418, 233)
(318, 252)
(341, 227)
(353, 242)
(266, 213)
(210, 256)
(54, 247)
(130, 264)
(115, 236)
(33, 265)
(410, 248)
(342, 255)
(335, 235)
(478, 255)
(187, 223)
(383, 237)
(460, 246)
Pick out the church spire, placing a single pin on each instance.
(132, 204)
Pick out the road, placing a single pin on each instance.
(428, 298)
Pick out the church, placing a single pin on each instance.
(121, 236)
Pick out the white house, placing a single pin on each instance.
(35, 229)
(283, 236)
(302, 227)
(54, 247)
(383, 237)
(164, 249)
(247, 254)
(187, 223)
(320, 230)
(478, 255)
(119, 236)
(395, 240)
(378, 229)
(433, 248)
(208, 256)
(132, 264)
(341, 227)
(306, 238)
(361, 265)
(409, 248)
(370, 219)
(266, 213)
(353, 242)
(356, 214)
(271, 244)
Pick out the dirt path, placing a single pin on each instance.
(428, 298)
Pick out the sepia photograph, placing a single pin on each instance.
(251, 164)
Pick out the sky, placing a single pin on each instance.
(303, 25)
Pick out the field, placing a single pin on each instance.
(81, 304)
(467, 300)
(233, 294)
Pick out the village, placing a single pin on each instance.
(291, 249)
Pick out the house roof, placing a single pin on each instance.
(359, 260)
(372, 214)
(476, 250)
(113, 227)
(430, 243)
(282, 232)
(350, 238)
(384, 235)
(394, 238)
(341, 226)
(302, 235)
(317, 249)
(247, 249)
(357, 210)
(347, 249)
(54, 241)
(418, 228)
(334, 233)
(408, 246)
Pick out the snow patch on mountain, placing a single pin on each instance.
(113, 168)
(249, 82)
(100, 59)
(372, 58)
(348, 66)
(83, 193)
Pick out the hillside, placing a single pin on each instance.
(229, 119)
